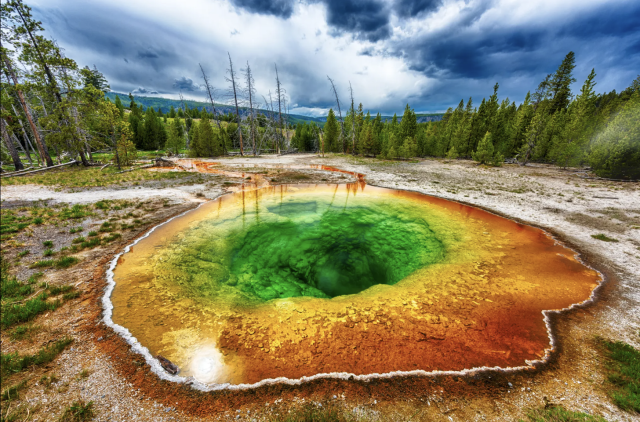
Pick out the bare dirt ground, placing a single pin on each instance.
(122, 387)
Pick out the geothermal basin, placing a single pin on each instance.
(295, 281)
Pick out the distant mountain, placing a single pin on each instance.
(164, 104)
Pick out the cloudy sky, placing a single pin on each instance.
(428, 53)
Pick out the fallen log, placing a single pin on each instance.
(135, 168)
(168, 366)
(19, 171)
(105, 166)
(39, 170)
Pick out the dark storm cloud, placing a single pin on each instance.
(143, 91)
(464, 58)
(154, 54)
(186, 84)
(365, 19)
(413, 8)
(461, 51)
(279, 8)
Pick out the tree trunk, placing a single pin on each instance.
(28, 145)
(10, 146)
(353, 123)
(26, 153)
(333, 87)
(115, 147)
(235, 98)
(42, 147)
(213, 105)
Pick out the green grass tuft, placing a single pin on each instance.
(624, 374)
(62, 262)
(11, 393)
(78, 411)
(13, 363)
(560, 414)
(603, 237)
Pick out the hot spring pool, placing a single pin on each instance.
(298, 280)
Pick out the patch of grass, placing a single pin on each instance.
(24, 332)
(75, 212)
(103, 205)
(316, 413)
(47, 381)
(604, 237)
(78, 411)
(24, 253)
(74, 230)
(47, 244)
(56, 290)
(624, 374)
(92, 233)
(22, 312)
(13, 363)
(62, 262)
(71, 295)
(91, 243)
(16, 307)
(86, 177)
(48, 252)
(554, 413)
(84, 374)
(106, 227)
(111, 237)
(66, 262)
(78, 239)
(11, 393)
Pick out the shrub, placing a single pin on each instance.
(485, 153)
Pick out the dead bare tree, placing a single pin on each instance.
(279, 93)
(184, 128)
(353, 122)
(250, 93)
(232, 79)
(213, 105)
(335, 92)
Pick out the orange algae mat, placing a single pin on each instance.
(257, 285)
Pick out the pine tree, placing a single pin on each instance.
(331, 131)
(452, 154)
(485, 153)
(172, 112)
(408, 124)
(570, 146)
(195, 148)
(560, 84)
(120, 106)
(175, 141)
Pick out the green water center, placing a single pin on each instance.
(313, 246)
